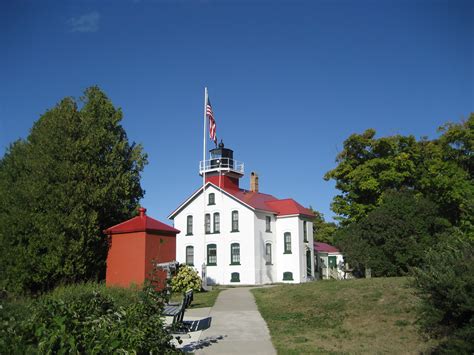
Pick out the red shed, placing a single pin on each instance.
(134, 245)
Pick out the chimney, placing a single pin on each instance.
(253, 181)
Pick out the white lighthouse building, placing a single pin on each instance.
(242, 236)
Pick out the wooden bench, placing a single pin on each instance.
(176, 310)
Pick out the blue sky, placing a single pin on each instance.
(289, 80)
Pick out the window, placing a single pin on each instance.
(268, 253)
(235, 221)
(189, 225)
(235, 277)
(190, 255)
(287, 243)
(217, 223)
(211, 254)
(305, 231)
(235, 254)
(268, 220)
(287, 276)
(212, 199)
(207, 223)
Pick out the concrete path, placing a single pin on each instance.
(236, 328)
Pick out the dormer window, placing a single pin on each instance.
(212, 199)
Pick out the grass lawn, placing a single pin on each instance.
(352, 316)
(200, 299)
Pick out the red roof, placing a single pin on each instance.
(325, 248)
(256, 200)
(270, 203)
(289, 207)
(141, 223)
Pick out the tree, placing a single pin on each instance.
(367, 167)
(439, 169)
(323, 231)
(75, 175)
(445, 285)
(394, 236)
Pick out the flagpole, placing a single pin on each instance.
(204, 144)
(204, 179)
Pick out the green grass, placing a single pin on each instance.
(200, 299)
(339, 317)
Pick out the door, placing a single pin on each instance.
(332, 260)
(308, 263)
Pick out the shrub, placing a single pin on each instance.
(186, 278)
(87, 319)
(446, 287)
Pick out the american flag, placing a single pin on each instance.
(212, 122)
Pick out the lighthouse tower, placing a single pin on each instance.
(222, 170)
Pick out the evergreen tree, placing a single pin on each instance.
(75, 175)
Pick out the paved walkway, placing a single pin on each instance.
(236, 327)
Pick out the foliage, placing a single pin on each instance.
(85, 319)
(359, 316)
(185, 279)
(394, 236)
(439, 169)
(446, 286)
(75, 175)
(323, 231)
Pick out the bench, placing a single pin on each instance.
(176, 310)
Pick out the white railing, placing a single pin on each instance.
(224, 164)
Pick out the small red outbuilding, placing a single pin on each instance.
(133, 247)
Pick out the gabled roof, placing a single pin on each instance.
(289, 207)
(141, 223)
(256, 201)
(325, 248)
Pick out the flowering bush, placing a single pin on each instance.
(186, 278)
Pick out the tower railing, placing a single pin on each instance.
(222, 164)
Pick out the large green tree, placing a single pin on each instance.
(440, 169)
(74, 175)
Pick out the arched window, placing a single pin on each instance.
(211, 255)
(207, 223)
(235, 254)
(235, 277)
(287, 276)
(268, 253)
(305, 231)
(217, 223)
(212, 199)
(287, 241)
(235, 221)
(189, 225)
(190, 255)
